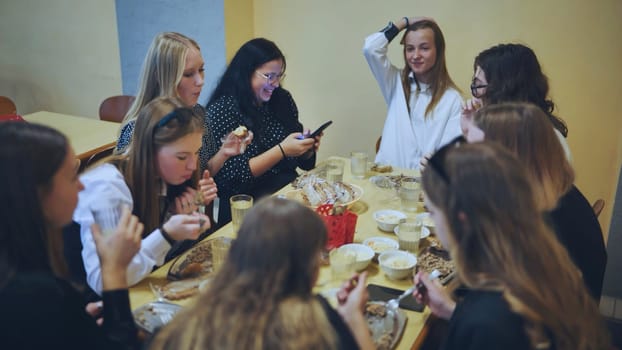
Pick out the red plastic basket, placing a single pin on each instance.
(340, 227)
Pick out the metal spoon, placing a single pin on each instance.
(395, 303)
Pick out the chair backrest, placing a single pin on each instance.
(378, 143)
(114, 108)
(598, 206)
(7, 106)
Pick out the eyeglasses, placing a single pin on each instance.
(271, 77)
(474, 89)
(438, 158)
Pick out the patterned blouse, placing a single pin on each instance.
(235, 177)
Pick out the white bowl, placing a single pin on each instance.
(387, 219)
(363, 253)
(397, 264)
(427, 221)
(381, 244)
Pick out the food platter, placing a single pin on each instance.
(189, 273)
(299, 196)
(154, 315)
(196, 262)
(386, 324)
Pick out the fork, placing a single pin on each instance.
(395, 302)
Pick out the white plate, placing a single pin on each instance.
(393, 322)
(298, 197)
(154, 315)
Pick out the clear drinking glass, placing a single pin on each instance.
(240, 205)
(334, 171)
(341, 265)
(358, 164)
(409, 235)
(220, 249)
(409, 192)
(107, 216)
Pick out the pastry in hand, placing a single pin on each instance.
(241, 131)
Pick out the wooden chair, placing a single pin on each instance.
(7, 106)
(598, 206)
(114, 108)
(378, 143)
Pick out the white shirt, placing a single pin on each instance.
(106, 183)
(407, 137)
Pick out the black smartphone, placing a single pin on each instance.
(319, 130)
(381, 293)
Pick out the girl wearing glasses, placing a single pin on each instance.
(519, 284)
(526, 131)
(40, 308)
(174, 67)
(424, 104)
(250, 94)
(262, 297)
(156, 178)
(512, 73)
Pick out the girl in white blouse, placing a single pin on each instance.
(156, 179)
(424, 104)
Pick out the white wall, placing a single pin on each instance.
(60, 55)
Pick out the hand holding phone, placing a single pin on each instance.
(316, 132)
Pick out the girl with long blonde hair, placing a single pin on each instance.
(174, 68)
(521, 289)
(262, 296)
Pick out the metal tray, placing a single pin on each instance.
(154, 315)
(392, 323)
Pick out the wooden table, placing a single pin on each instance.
(87, 136)
(373, 199)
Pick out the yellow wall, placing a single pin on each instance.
(238, 25)
(577, 43)
(61, 57)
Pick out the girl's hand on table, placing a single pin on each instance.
(207, 188)
(434, 296)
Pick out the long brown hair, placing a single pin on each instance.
(500, 242)
(525, 130)
(441, 81)
(30, 156)
(139, 165)
(261, 298)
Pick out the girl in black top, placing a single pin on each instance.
(39, 189)
(250, 94)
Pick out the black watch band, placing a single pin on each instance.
(390, 31)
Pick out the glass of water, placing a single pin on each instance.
(358, 164)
